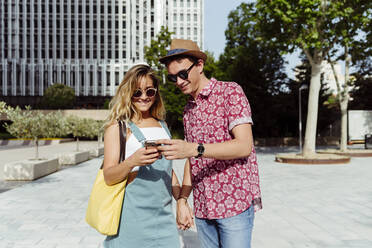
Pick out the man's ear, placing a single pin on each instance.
(200, 65)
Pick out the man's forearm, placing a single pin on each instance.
(239, 147)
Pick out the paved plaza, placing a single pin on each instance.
(313, 206)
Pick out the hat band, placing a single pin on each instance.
(174, 51)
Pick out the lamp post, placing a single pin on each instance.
(302, 87)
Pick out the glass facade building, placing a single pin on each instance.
(85, 44)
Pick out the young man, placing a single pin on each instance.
(221, 168)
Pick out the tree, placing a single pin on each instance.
(98, 130)
(174, 99)
(81, 128)
(352, 19)
(33, 124)
(258, 68)
(317, 28)
(328, 112)
(58, 96)
(212, 67)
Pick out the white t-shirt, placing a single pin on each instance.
(150, 133)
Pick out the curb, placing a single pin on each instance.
(27, 142)
(291, 158)
(350, 153)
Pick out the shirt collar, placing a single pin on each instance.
(208, 89)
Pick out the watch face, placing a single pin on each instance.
(200, 149)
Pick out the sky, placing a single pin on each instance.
(215, 24)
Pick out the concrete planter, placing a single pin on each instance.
(27, 170)
(96, 152)
(73, 158)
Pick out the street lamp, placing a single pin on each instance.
(302, 87)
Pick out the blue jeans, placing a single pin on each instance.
(229, 232)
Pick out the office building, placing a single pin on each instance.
(87, 45)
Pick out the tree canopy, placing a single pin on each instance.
(318, 28)
(58, 96)
(259, 68)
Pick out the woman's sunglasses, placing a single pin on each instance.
(150, 92)
(183, 74)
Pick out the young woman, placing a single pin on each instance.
(146, 218)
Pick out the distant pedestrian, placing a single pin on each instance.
(146, 219)
(221, 166)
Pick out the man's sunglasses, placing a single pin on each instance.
(150, 92)
(183, 74)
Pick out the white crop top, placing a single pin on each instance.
(150, 133)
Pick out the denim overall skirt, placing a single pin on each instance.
(147, 219)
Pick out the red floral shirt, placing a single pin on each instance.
(221, 188)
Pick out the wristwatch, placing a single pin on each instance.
(200, 150)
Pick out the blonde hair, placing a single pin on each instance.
(121, 105)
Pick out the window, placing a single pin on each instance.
(175, 17)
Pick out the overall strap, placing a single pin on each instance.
(136, 132)
(165, 126)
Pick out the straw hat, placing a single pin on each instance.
(184, 47)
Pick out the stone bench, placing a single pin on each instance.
(73, 158)
(27, 170)
(96, 152)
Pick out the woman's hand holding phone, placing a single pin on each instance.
(144, 156)
(152, 143)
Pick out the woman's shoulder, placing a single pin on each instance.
(112, 124)
(111, 128)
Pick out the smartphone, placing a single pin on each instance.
(149, 143)
(152, 143)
